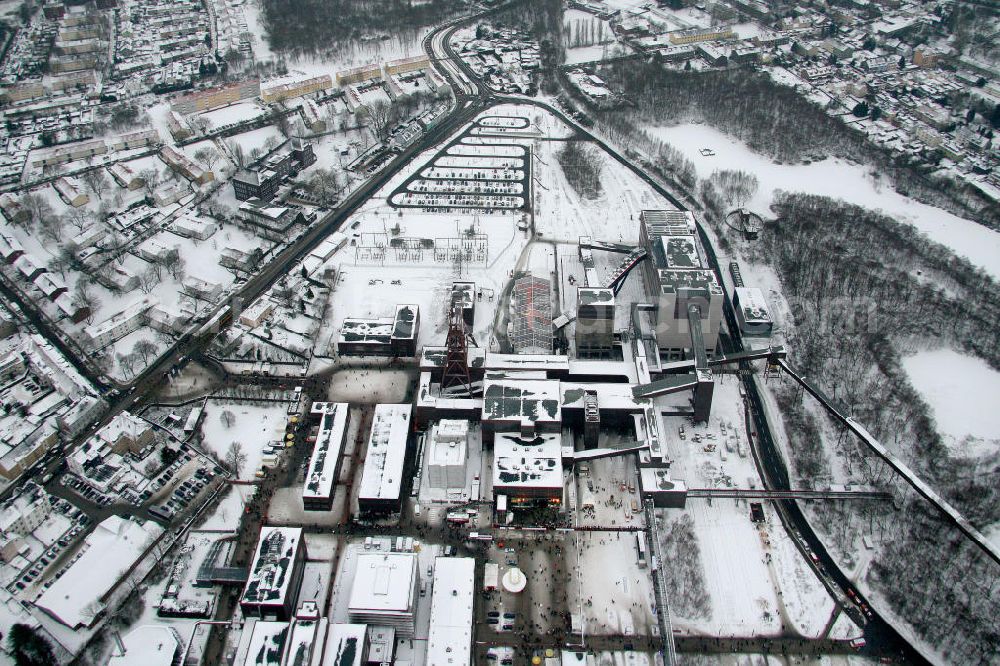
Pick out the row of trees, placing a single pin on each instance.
(587, 32)
(655, 154)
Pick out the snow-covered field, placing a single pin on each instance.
(834, 178)
(757, 580)
(962, 392)
(561, 214)
(255, 426)
(582, 54)
(615, 601)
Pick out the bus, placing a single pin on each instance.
(640, 547)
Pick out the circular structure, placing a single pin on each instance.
(745, 221)
(514, 581)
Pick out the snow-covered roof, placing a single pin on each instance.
(384, 582)
(610, 395)
(534, 462)
(270, 571)
(522, 401)
(344, 645)
(326, 452)
(449, 642)
(123, 424)
(113, 547)
(148, 645)
(753, 304)
(680, 252)
(449, 442)
(382, 477)
(262, 643)
(302, 642)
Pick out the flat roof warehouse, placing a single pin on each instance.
(382, 477)
(323, 466)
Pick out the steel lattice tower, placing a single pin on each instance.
(456, 364)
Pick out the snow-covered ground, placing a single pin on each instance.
(758, 581)
(621, 600)
(562, 214)
(962, 392)
(255, 426)
(834, 178)
(582, 54)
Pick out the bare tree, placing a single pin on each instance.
(737, 187)
(80, 218)
(50, 228)
(227, 418)
(173, 262)
(239, 155)
(582, 166)
(150, 180)
(326, 185)
(200, 124)
(149, 278)
(64, 260)
(115, 242)
(84, 297)
(208, 156)
(235, 458)
(38, 208)
(144, 349)
(96, 181)
(379, 118)
(127, 363)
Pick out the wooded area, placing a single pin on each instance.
(863, 290)
(581, 163)
(325, 26)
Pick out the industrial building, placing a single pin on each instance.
(381, 485)
(521, 403)
(595, 322)
(275, 576)
(385, 591)
(685, 289)
(449, 642)
(324, 465)
(386, 336)
(528, 471)
(448, 454)
(752, 311)
(531, 316)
